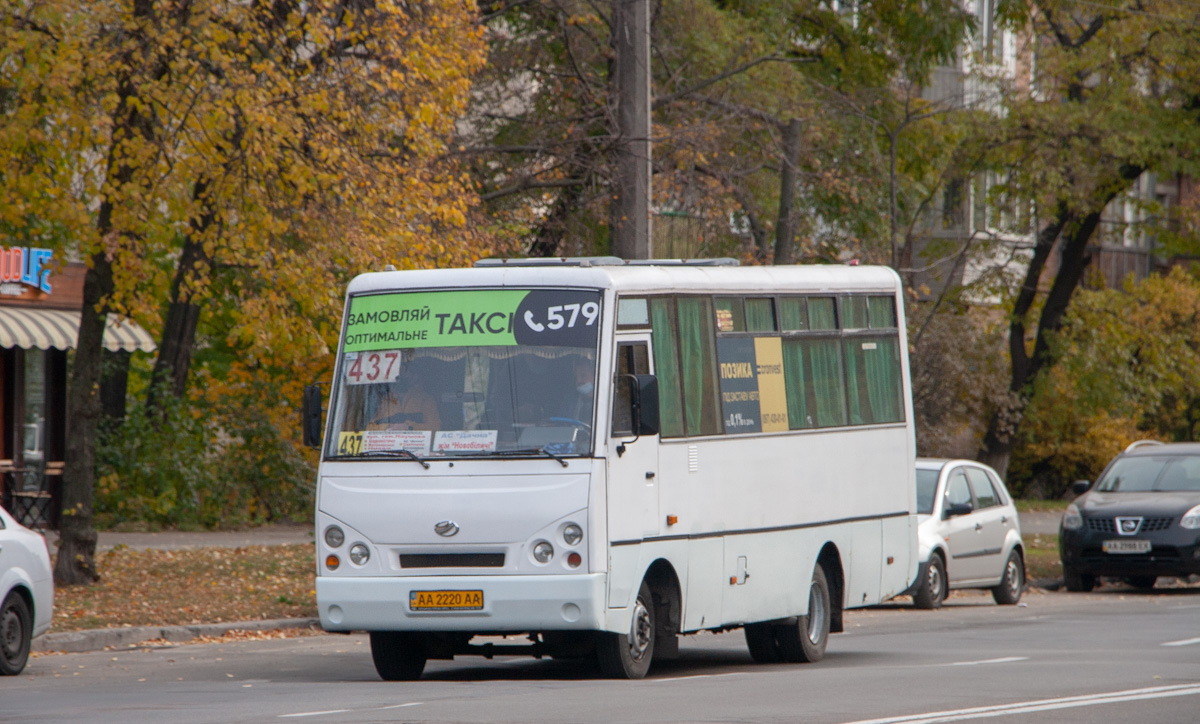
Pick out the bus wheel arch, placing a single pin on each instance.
(830, 560)
(666, 593)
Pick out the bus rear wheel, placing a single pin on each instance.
(398, 655)
(628, 655)
(805, 641)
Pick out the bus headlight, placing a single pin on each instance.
(334, 537)
(543, 552)
(572, 534)
(359, 554)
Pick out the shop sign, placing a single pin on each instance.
(23, 268)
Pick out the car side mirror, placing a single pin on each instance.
(310, 416)
(1079, 487)
(958, 509)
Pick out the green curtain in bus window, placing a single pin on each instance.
(793, 313)
(883, 312)
(797, 384)
(855, 313)
(666, 367)
(701, 416)
(821, 313)
(883, 380)
(856, 384)
(873, 380)
(828, 380)
(760, 315)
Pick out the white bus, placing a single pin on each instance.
(595, 456)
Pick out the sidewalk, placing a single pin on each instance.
(267, 535)
(100, 639)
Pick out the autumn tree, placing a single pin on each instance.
(770, 113)
(1127, 362)
(1116, 94)
(263, 150)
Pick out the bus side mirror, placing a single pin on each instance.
(310, 416)
(644, 404)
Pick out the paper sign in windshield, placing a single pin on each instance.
(465, 441)
(415, 441)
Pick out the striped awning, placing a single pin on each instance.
(29, 328)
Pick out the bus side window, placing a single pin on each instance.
(633, 358)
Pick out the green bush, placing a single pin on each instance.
(194, 465)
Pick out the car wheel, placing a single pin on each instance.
(1077, 581)
(1013, 582)
(628, 655)
(932, 590)
(760, 639)
(16, 633)
(804, 641)
(398, 655)
(1145, 583)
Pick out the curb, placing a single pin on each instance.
(102, 638)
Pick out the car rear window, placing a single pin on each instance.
(1161, 473)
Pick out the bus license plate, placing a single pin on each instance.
(1126, 546)
(445, 601)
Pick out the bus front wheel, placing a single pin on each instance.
(398, 655)
(628, 655)
(805, 640)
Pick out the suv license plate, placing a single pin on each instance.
(445, 601)
(1126, 546)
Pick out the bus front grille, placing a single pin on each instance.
(451, 560)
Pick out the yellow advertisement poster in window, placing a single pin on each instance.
(772, 398)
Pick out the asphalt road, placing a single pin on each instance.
(1117, 655)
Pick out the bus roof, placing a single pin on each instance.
(648, 277)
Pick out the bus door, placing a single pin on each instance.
(632, 464)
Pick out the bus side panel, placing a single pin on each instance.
(862, 559)
(706, 584)
(767, 574)
(900, 539)
(625, 567)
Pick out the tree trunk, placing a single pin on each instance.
(629, 223)
(76, 534)
(997, 445)
(183, 312)
(76, 562)
(785, 230)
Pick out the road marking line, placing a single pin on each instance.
(698, 676)
(1184, 642)
(1030, 707)
(398, 706)
(313, 713)
(1005, 660)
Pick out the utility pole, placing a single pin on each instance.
(630, 207)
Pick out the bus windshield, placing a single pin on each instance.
(467, 373)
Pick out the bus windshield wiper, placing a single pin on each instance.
(533, 451)
(403, 454)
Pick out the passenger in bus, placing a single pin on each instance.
(579, 400)
(406, 405)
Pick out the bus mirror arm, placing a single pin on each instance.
(310, 416)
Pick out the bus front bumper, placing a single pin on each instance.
(511, 604)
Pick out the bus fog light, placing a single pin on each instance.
(543, 552)
(574, 560)
(332, 562)
(359, 554)
(334, 537)
(572, 534)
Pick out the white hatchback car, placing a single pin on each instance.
(26, 592)
(968, 533)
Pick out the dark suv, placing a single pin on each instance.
(1141, 519)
